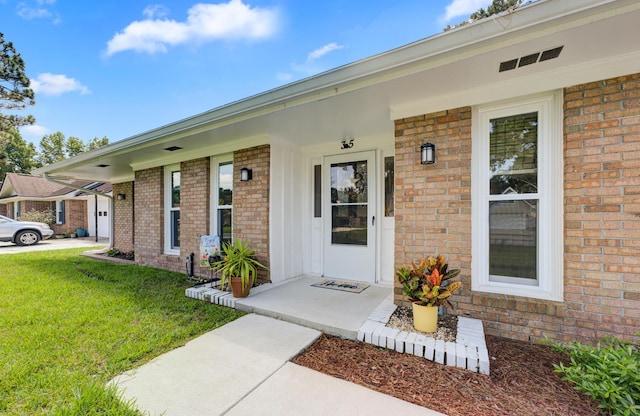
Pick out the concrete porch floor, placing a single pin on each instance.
(357, 316)
(333, 312)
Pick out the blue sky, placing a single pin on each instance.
(117, 68)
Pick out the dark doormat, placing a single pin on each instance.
(344, 285)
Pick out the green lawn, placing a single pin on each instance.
(69, 324)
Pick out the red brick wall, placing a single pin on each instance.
(75, 216)
(194, 215)
(123, 236)
(433, 202)
(76, 212)
(41, 206)
(149, 221)
(251, 201)
(195, 190)
(3, 209)
(602, 206)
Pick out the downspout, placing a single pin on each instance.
(95, 214)
(92, 192)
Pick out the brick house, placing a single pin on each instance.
(71, 208)
(534, 192)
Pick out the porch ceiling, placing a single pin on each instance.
(598, 42)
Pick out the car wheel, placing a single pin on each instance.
(27, 238)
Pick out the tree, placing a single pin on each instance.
(52, 149)
(74, 146)
(56, 147)
(498, 6)
(15, 93)
(19, 156)
(96, 143)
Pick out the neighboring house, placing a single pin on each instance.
(534, 193)
(71, 208)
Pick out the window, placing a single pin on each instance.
(389, 186)
(18, 209)
(61, 212)
(317, 191)
(222, 181)
(57, 211)
(517, 198)
(172, 209)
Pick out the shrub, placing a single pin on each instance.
(608, 373)
(114, 252)
(38, 216)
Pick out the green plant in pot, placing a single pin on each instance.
(428, 285)
(238, 267)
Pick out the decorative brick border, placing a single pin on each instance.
(468, 352)
(210, 293)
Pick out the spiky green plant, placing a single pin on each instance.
(238, 261)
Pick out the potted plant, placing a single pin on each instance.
(238, 266)
(428, 285)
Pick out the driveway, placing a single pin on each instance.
(54, 244)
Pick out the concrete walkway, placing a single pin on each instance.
(54, 244)
(243, 368)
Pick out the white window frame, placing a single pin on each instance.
(59, 210)
(214, 171)
(168, 247)
(550, 283)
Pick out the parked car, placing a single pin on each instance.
(23, 233)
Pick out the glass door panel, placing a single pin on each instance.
(349, 243)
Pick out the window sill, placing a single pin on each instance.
(518, 303)
(522, 291)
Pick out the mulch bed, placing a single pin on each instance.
(522, 381)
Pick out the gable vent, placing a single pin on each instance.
(508, 65)
(530, 59)
(550, 54)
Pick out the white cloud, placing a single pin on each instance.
(155, 11)
(34, 131)
(29, 13)
(463, 8)
(40, 9)
(310, 66)
(320, 52)
(52, 84)
(284, 76)
(205, 22)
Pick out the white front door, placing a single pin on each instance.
(350, 223)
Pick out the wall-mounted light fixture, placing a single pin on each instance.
(246, 174)
(121, 197)
(428, 153)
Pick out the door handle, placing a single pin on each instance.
(373, 220)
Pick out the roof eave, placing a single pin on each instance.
(542, 15)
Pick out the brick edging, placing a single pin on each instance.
(468, 352)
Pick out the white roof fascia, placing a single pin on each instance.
(217, 149)
(544, 16)
(553, 80)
